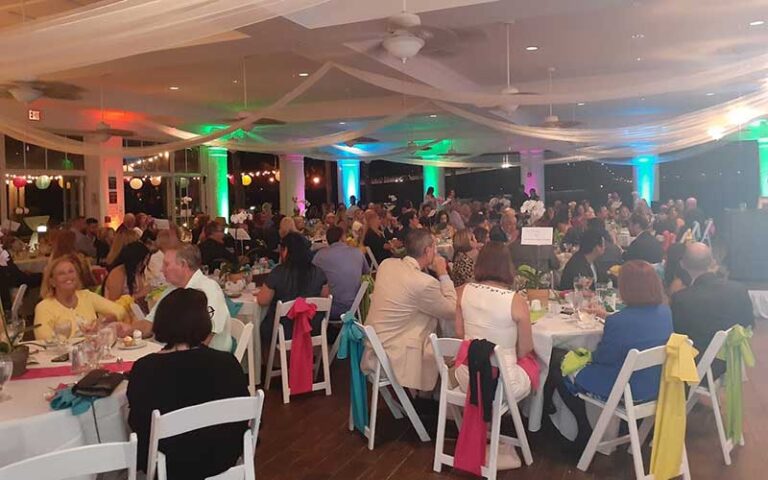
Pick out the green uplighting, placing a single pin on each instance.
(762, 150)
(432, 179)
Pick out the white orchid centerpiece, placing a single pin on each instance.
(534, 210)
(240, 217)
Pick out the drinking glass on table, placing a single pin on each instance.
(106, 338)
(6, 370)
(87, 327)
(62, 330)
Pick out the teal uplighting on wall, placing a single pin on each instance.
(432, 179)
(218, 157)
(350, 179)
(645, 177)
(762, 149)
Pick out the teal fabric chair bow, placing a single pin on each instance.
(736, 352)
(351, 346)
(232, 306)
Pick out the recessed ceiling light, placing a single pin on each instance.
(638, 36)
(532, 48)
(234, 81)
(433, 116)
(303, 74)
(581, 104)
(709, 94)
(757, 23)
(639, 59)
(174, 87)
(342, 123)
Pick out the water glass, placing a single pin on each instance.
(106, 339)
(85, 356)
(6, 370)
(62, 329)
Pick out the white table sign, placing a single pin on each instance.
(537, 236)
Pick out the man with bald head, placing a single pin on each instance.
(711, 303)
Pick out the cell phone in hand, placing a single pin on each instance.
(61, 358)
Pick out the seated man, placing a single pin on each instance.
(406, 306)
(582, 263)
(181, 267)
(710, 304)
(645, 246)
(212, 250)
(343, 266)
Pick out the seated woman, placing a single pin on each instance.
(442, 226)
(374, 238)
(464, 254)
(123, 237)
(126, 274)
(185, 373)
(646, 322)
(488, 308)
(294, 277)
(65, 301)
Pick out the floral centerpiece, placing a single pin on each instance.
(533, 210)
(11, 346)
(240, 217)
(536, 283)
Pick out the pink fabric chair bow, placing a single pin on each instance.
(300, 364)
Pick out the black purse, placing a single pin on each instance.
(98, 383)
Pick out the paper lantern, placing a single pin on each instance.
(155, 181)
(42, 182)
(19, 182)
(183, 182)
(61, 182)
(136, 183)
(247, 180)
(277, 175)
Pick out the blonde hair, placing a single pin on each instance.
(46, 289)
(287, 225)
(123, 237)
(369, 216)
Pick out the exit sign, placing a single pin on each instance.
(34, 115)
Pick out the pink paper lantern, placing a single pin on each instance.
(19, 182)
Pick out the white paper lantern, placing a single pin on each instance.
(183, 182)
(42, 182)
(136, 183)
(155, 181)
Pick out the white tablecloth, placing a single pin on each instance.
(254, 313)
(28, 426)
(562, 332)
(32, 265)
(759, 303)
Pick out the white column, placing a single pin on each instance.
(434, 177)
(349, 180)
(291, 182)
(213, 163)
(532, 172)
(646, 178)
(98, 170)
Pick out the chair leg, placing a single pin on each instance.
(634, 439)
(251, 371)
(284, 366)
(493, 458)
(725, 445)
(394, 408)
(271, 359)
(456, 414)
(409, 410)
(256, 349)
(326, 362)
(685, 467)
(522, 438)
(645, 428)
(437, 464)
(374, 407)
(595, 438)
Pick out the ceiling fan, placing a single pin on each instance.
(407, 36)
(27, 91)
(265, 121)
(553, 121)
(103, 130)
(507, 109)
(361, 141)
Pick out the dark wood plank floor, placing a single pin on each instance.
(308, 440)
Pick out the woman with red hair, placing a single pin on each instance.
(646, 322)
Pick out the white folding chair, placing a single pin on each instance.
(18, 300)
(371, 260)
(381, 378)
(244, 471)
(280, 343)
(252, 312)
(244, 335)
(629, 412)
(75, 462)
(697, 391)
(454, 399)
(192, 418)
(355, 308)
(706, 236)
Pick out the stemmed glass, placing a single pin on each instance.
(62, 329)
(6, 370)
(106, 339)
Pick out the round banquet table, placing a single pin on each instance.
(561, 331)
(30, 427)
(32, 265)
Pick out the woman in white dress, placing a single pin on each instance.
(489, 308)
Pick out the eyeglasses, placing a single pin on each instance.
(211, 311)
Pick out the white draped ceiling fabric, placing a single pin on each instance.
(130, 27)
(116, 29)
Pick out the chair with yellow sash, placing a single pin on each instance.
(669, 458)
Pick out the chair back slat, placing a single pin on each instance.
(74, 462)
(323, 304)
(18, 300)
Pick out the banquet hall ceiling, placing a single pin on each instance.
(591, 44)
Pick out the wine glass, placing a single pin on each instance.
(106, 339)
(87, 327)
(6, 370)
(62, 329)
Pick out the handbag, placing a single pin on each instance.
(98, 383)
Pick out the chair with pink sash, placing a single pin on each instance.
(299, 376)
(473, 430)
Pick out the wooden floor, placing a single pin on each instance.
(308, 440)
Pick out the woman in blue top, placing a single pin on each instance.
(646, 322)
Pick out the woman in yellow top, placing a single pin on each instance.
(63, 300)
